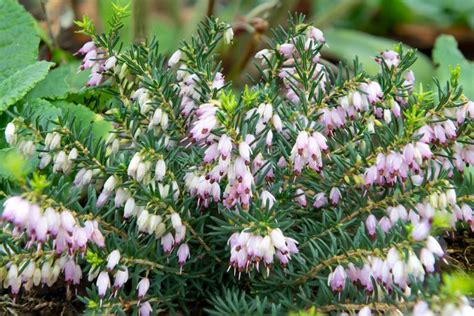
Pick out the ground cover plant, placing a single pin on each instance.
(160, 188)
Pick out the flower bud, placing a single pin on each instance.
(300, 198)
(45, 160)
(228, 35)
(278, 240)
(176, 220)
(245, 151)
(143, 287)
(55, 141)
(180, 234)
(37, 276)
(46, 272)
(121, 196)
(175, 188)
(129, 208)
(145, 309)
(183, 254)
(387, 116)
(167, 241)
(28, 272)
(267, 199)
(153, 222)
(110, 184)
(133, 165)
(164, 121)
(264, 53)
(335, 195)
(421, 230)
(277, 123)
(73, 154)
(433, 246)
(110, 63)
(427, 259)
(371, 224)
(160, 170)
(113, 259)
(67, 221)
(121, 277)
(80, 238)
(103, 283)
(337, 279)
(451, 196)
(175, 58)
(160, 230)
(142, 221)
(286, 49)
(320, 200)
(86, 179)
(365, 312)
(102, 199)
(10, 134)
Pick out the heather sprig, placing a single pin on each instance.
(317, 187)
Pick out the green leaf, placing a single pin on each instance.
(14, 166)
(458, 283)
(346, 44)
(447, 56)
(44, 112)
(60, 83)
(84, 117)
(41, 111)
(15, 87)
(18, 38)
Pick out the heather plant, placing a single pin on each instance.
(315, 188)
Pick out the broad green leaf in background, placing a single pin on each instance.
(41, 112)
(168, 40)
(60, 82)
(447, 56)
(458, 283)
(346, 44)
(443, 12)
(15, 87)
(14, 166)
(18, 39)
(45, 113)
(85, 118)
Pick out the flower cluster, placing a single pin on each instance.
(41, 225)
(31, 273)
(460, 307)
(94, 59)
(396, 269)
(248, 250)
(438, 204)
(59, 231)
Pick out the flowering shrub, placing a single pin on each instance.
(315, 187)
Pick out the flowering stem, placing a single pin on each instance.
(380, 307)
(154, 265)
(83, 149)
(373, 205)
(340, 258)
(202, 242)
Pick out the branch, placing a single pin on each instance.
(340, 258)
(380, 307)
(210, 7)
(390, 200)
(202, 242)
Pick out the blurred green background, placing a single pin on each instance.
(352, 27)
